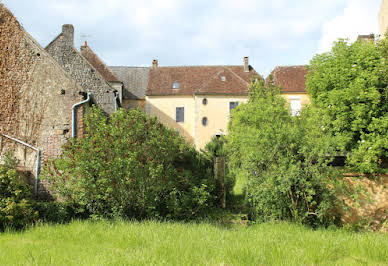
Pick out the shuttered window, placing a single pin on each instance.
(180, 114)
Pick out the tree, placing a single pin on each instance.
(349, 85)
(131, 166)
(283, 158)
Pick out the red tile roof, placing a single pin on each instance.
(199, 80)
(290, 78)
(95, 61)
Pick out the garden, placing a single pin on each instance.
(131, 191)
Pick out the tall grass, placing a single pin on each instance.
(157, 243)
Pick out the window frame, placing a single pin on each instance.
(180, 114)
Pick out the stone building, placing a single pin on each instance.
(292, 80)
(135, 80)
(383, 17)
(103, 69)
(36, 95)
(196, 100)
(85, 74)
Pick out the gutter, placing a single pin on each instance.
(38, 159)
(74, 115)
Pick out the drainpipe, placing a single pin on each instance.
(116, 98)
(74, 114)
(38, 158)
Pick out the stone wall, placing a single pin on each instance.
(36, 95)
(63, 50)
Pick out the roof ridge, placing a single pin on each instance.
(200, 66)
(99, 61)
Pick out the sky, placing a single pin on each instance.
(201, 32)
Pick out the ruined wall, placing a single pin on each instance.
(36, 95)
(62, 49)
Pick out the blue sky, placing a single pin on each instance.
(201, 32)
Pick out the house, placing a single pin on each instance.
(36, 96)
(292, 80)
(84, 73)
(383, 17)
(135, 80)
(103, 69)
(196, 100)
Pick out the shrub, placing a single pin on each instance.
(131, 166)
(16, 198)
(284, 159)
(216, 147)
(349, 85)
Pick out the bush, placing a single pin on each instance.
(284, 159)
(131, 166)
(16, 198)
(216, 147)
(349, 85)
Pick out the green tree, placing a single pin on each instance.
(349, 85)
(283, 158)
(129, 165)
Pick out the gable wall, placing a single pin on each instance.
(36, 95)
(62, 50)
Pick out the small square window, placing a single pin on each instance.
(180, 114)
(175, 85)
(223, 78)
(232, 105)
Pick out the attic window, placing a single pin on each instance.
(175, 85)
(223, 78)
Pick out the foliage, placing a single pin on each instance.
(216, 148)
(16, 199)
(132, 166)
(349, 85)
(283, 158)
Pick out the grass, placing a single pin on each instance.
(165, 243)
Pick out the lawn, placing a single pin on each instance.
(165, 243)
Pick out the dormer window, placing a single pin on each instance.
(223, 78)
(175, 85)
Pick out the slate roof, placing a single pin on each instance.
(199, 80)
(292, 79)
(134, 80)
(98, 64)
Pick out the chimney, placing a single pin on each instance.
(154, 63)
(84, 46)
(68, 33)
(246, 64)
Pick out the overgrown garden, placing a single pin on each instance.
(129, 166)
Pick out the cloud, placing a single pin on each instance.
(358, 18)
(197, 32)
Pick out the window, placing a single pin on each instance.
(204, 101)
(223, 78)
(180, 114)
(175, 85)
(204, 121)
(232, 105)
(295, 106)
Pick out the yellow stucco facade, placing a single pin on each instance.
(215, 109)
(383, 17)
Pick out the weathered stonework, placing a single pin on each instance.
(62, 49)
(36, 95)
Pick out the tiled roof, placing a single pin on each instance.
(290, 78)
(199, 80)
(134, 79)
(97, 63)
